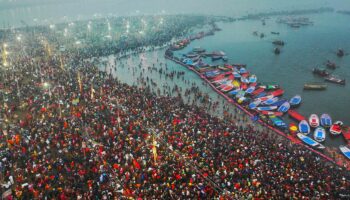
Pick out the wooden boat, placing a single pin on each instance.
(295, 115)
(307, 140)
(295, 101)
(227, 88)
(346, 133)
(270, 86)
(277, 51)
(326, 120)
(293, 128)
(270, 101)
(345, 150)
(331, 65)
(279, 102)
(198, 50)
(320, 72)
(240, 94)
(254, 104)
(265, 112)
(340, 53)
(264, 98)
(284, 107)
(334, 79)
(253, 79)
(243, 70)
(278, 92)
(244, 80)
(258, 91)
(236, 74)
(314, 121)
(216, 57)
(250, 90)
(336, 128)
(244, 86)
(320, 134)
(315, 86)
(261, 95)
(234, 92)
(278, 42)
(266, 108)
(236, 83)
(304, 127)
(278, 122)
(241, 100)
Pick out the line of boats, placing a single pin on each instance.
(264, 100)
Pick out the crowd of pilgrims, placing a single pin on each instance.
(78, 133)
(81, 134)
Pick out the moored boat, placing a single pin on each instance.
(234, 92)
(314, 121)
(279, 102)
(270, 101)
(254, 104)
(253, 79)
(278, 122)
(315, 86)
(320, 72)
(336, 128)
(326, 120)
(278, 92)
(295, 115)
(307, 140)
(264, 98)
(265, 112)
(320, 134)
(284, 107)
(295, 101)
(304, 127)
(270, 86)
(267, 108)
(258, 91)
(334, 79)
(345, 150)
(250, 90)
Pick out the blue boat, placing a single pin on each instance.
(284, 107)
(278, 122)
(240, 94)
(304, 127)
(187, 61)
(234, 92)
(261, 95)
(236, 74)
(242, 70)
(244, 79)
(250, 90)
(279, 102)
(212, 73)
(270, 101)
(254, 104)
(307, 140)
(295, 101)
(252, 79)
(345, 150)
(267, 108)
(320, 134)
(326, 120)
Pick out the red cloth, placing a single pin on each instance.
(136, 164)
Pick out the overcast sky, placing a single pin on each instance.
(13, 11)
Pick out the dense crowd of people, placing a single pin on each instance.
(78, 133)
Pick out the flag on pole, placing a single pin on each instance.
(154, 150)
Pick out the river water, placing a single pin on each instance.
(306, 48)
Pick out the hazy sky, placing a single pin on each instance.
(12, 11)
